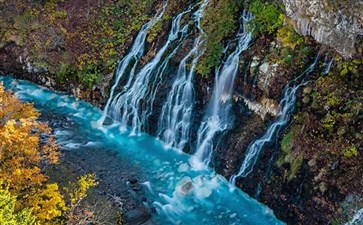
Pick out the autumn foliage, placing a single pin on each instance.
(26, 149)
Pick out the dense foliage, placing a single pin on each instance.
(26, 149)
(220, 21)
(79, 43)
(267, 17)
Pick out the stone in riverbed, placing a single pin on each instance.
(132, 181)
(184, 187)
(107, 121)
(137, 216)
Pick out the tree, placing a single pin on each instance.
(26, 147)
(7, 210)
(77, 192)
(21, 152)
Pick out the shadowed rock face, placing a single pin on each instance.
(333, 23)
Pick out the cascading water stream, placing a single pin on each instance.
(131, 59)
(327, 65)
(357, 218)
(287, 104)
(176, 115)
(217, 118)
(134, 104)
(180, 194)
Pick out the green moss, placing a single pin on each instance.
(350, 152)
(287, 156)
(329, 122)
(155, 31)
(314, 104)
(288, 37)
(295, 167)
(286, 147)
(286, 143)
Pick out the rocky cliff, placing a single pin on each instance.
(333, 23)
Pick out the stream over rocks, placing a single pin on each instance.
(180, 194)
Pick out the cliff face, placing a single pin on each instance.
(333, 23)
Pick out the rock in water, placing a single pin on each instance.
(184, 187)
(137, 216)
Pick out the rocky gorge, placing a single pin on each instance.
(311, 172)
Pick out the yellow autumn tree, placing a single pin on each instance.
(76, 193)
(26, 146)
(8, 216)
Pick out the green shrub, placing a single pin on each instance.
(89, 76)
(64, 72)
(267, 17)
(287, 55)
(220, 21)
(8, 214)
(329, 122)
(288, 37)
(286, 147)
(350, 152)
(295, 167)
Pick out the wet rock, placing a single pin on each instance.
(320, 176)
(254, 64)
(323, 187)
(107, 121)
(185, 186)
(263, 107)
(264, 67)
(183, 168)
(312, 162)
(133, 181)
(266, 76)
(137, 216)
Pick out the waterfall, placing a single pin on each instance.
(287, 105)
(327, 65)
(131, 59)
(217, 118)
(176, 115)
(357, 219)
(133, 105)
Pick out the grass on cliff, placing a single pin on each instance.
(219, 22)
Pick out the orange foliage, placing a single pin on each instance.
(21, 151)
(26, 146)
